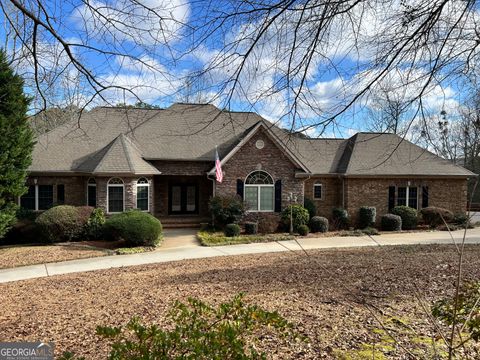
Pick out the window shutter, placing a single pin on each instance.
(240, 188)
(278, 196)
(391, 197)
(425, 197)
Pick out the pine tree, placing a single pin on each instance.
(16, 142)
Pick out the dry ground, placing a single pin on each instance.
(29, 255)
(321, 292)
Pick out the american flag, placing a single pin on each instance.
(218, 167)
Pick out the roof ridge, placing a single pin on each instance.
(107, 148)
(347, 154)
(126, 149)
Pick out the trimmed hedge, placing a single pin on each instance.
(299, 216)
(367, 216)
(251, 228)
(303, 230)
(95, 224)
(391, 222)
(63, 223)
(409, 216)
(137, 228)
(340, 219)
(232, 230)
(318, 224)
(434, 216)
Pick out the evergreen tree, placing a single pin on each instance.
(16, 142)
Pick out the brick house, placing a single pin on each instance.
(162, 161)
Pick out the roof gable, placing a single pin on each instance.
(262, 126)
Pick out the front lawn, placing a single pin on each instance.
(23, 255)
(207, 238)
(337, 298)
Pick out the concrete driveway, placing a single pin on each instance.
(191, 250)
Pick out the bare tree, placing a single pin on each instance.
(308, 62)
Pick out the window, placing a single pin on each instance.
(259, 191)
(60, 194)
(92, 192)
(142, 194)
(45, 197)
(407, 196)
(27, 201)
(115, 195)
(317, 191)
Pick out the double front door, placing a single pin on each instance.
(183, 199)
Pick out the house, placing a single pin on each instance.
(162, 161)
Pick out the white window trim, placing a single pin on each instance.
(408, 195)
(245, 185)
(37, 193)
(147, 185)
(122, 185)
(321, 197)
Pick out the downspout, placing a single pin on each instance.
(343, 192)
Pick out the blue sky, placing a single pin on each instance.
(161, 55)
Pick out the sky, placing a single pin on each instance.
(123, 44)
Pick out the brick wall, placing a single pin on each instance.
(196, 168)
(270, 159)
(447, 193)
(74, 187)
(331, 194)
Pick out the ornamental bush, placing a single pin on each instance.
(391, 222)
(226, 209)
(318, 224)
(251, 228)
(95, 223)
(303, 230)
(367, 216)
(137, 228)
(310, 206)
(230, 330)
(299, 216)
(232, 230)
(63, 223)
(340, 220)
(434, 216)
(409, 216)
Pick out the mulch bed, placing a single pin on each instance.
(324, 293)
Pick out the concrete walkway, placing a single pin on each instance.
(191, 251)
(179, 238)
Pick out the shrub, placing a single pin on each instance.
(230, 330)
(226, 209)
(95, 223)
(310, 206)
(267, 222)
(232, 230)
(303, 230)
(340, 220)
(409, 216)
(461, 219)
(318, 224)
(391, 222)
(366, 216)
(26, 214)
(434, 216)
(299, 216)
(137, 228)
(251, 228)
(62, 223)
(24, 231)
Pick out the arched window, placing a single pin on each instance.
(92, 192)
(259, 191)
(143, 192)
(115, 195)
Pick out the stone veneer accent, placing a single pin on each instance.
(270, 159)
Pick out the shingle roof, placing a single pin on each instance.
(111, 140)
(120, 156)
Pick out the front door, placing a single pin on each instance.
(183, 199)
